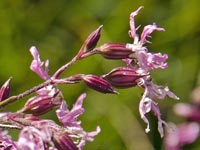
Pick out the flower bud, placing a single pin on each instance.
(115, 51)
(98, 84)
(63, 141)
(41, 104)
(124, 77)
(93, 38)
(90, 42)
(5, 90)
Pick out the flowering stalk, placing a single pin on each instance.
(43, 134)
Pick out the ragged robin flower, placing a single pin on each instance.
(146, 61)
(72, 125)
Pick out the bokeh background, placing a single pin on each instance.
(58, 29)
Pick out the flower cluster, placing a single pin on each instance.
(43, 134)
(185, 133)
(139, 62)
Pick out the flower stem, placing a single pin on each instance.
(51, 81)
(28, 92)
(63, 68)
(8, 126)
(73, 61)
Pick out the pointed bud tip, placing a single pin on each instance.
(5, 90)
(115, 92)
(100, 27)
(90, 42)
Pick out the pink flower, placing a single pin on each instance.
(6, 142)
(189, 111)
(30, 138)
(145, 59)
(45, 135)
(147, 104)
(178, 136)
(37, 65)
(69, 119)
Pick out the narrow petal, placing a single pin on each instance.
(69, 118)
(36, 65)
(159, 92)
(93, 133)
(157, 113)
(89, 137)
(147, 32)
(72, 125)
(145, 107)
(132, 32)
(149, 61)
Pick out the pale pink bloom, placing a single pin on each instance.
(37, 65)
(30, 138)
(147, 103)
(189, 111)
(145, 59)
(183, 134)
(73, 126)
(6, 143)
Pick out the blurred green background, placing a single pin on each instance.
(58, 29)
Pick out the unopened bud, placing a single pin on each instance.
(115, 51)
(91, 42)
(63, 141)
(99, 84)
(5, 90)
(124, 77)
(41, 104)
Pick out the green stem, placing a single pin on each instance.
(28, 92)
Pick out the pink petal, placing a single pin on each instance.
(147, 32)
(132, 32)
(36, 65)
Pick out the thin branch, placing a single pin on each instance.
(73, 61)
(51, 81)
(8, 126)
(63, 68)
(28, 92)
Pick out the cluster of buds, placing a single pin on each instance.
(42, 134)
